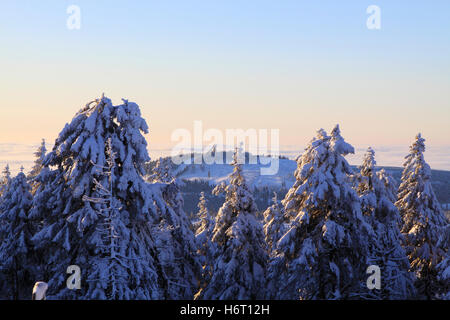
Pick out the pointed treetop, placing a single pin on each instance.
(6, 172)
(39, 162)
(321, 134)
(237, 171)
(368, 161)
(336, 131)
(419, 145)
(370, 152)
(5, 179)
(42, 147)
(239, 154)
(338, 144)
(202, 203)
(415, 158)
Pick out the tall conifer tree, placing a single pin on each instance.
(424, 222)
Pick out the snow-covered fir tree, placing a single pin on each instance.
(273, 223)
(205, 224)
(39, 162)
(69, 224)
(377, 201)
(5, 179)
(240, 258)
(178, 250)
(444, 266)
(390, 183)
(424, 222)
(110, 277)
(161, 171)
(323, 254)
(17, 263)
(204, 232)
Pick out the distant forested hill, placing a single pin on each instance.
(203, 177)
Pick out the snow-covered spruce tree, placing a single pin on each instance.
(377, 202)
(5, 180)
(204, 232)
(178, 252)
(51, 252)
(240, 258)
(202, 217)
(111, 265)
(17, 263)
(423, 221)
(390, 183)
(39, 162)
(161, 172)
(69, 223)
(273, 223)
(323, 254)
(444, 266)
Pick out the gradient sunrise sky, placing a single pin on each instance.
(293, 65)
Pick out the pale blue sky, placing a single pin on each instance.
(293, 65)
